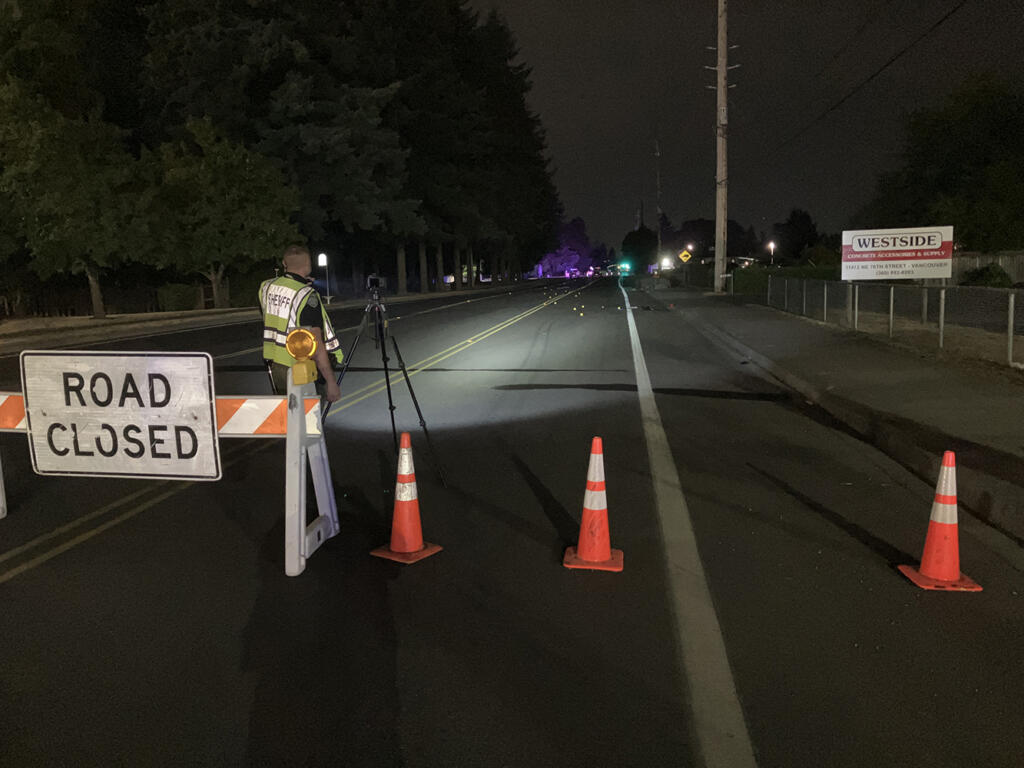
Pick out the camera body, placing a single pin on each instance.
(375, 285)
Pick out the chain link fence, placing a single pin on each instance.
(986, 323)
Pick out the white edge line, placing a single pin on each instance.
(718, 721)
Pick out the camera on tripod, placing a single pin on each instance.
(375, 321)
(375, 284)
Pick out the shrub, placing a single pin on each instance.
(245, 288)
(176, 297)
(991, 275)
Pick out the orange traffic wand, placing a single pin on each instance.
(940, 563)
(407, 545)
(594, 550)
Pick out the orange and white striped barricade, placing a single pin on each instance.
(296, 418)
(12, 419)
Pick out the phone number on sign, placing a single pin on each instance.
(879, 270)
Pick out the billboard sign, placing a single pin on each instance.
(121, 414)
(898, 254)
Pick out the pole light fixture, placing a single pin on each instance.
(321, 261)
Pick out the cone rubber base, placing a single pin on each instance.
(963, 584)
(572, 560)
(407, 557)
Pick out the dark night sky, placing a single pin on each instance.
(610, 75)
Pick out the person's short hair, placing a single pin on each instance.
(294, 255)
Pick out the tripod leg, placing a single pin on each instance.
(325, 407)
(419, 412)
(382, 340)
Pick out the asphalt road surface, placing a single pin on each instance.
(151, 623)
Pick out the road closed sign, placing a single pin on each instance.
(123, 414)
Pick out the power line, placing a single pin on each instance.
(871, 16)
(857, 88)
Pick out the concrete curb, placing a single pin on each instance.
(990, 482)
(50, 324)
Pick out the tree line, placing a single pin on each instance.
(197, 138)
(962, 164)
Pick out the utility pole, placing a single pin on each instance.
(657, 173)
(721, 174)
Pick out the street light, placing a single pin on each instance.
(321, 261)
(771, 247)
(689, 247)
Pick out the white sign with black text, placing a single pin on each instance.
(121, 414)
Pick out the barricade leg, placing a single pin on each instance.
(3, 490)
(303, 450)
(295, 485)
(326, 524)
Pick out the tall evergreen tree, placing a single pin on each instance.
(517, 167)
(278, 77)
(963, 164)
(221, 206)
(78, 196)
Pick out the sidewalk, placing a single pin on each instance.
(52, 332)
(911, 406)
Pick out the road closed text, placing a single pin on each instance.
(129, 414)
(131, 440)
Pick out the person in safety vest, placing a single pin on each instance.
(289, 302)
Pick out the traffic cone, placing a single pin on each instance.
(407, 545)
(594, 550)
(940, 563)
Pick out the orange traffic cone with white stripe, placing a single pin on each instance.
(407, 545)
(594, 550)
(940, 563)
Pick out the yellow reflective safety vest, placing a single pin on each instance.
(282, 301)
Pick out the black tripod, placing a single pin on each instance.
(376, 314)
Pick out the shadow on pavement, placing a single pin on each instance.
(892, 555)
(564, 524)
(321, 649)
(716, 394)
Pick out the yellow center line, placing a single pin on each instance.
(49, 554)
(241, 454)
(395, 377)
(127, 515)
(250, 350)
(78, 521)
(376, 387)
